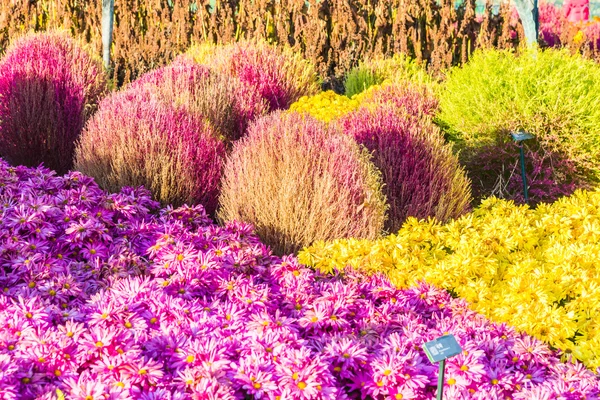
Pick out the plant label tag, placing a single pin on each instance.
(442, 348)
(521, 135)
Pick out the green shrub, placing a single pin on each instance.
(374, 72)
(552, 94)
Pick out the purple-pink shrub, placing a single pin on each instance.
(49, 86)
(279, 74)
(422, 176)
(136, 139)
(228, 104)
(495, 170)
(552, 23)
(211, 314)
(415, 100)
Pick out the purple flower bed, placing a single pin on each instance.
(108, 297)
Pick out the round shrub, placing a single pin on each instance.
(297, 182)
(280, 75)
(49, 86)
(422, 176)
(552, 94)
(399, 68)
(136, 139)
(224, 100)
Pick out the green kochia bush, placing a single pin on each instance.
(49, 86)
(373, 72)
(298, 182)
(552, 94)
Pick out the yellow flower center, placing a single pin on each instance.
(301, 385)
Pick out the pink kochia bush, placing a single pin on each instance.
(279, 74)
(297, 182)
(422, 176)
(226, 102)
(49, 86)
(136, 139)
(208, 313)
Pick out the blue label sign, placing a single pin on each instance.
(442, 348)
(521, 135)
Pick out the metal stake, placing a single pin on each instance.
(522, 154)
(440, 390)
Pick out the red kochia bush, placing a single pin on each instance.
(49, 85)
(416, 100)
(136, 139)
(279, 74)
(422, 177)
(226, 102)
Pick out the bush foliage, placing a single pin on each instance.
(551, 94)
(371, 72)
(228, 104)
(422, 176)
(533, 269)
(280, 75)
(49, 86)
(136, 139)
(334, 36)
(297, 182)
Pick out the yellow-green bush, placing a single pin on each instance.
(552, 94)
(533, 269)
(375, 71)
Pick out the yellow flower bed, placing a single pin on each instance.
(537, 270)
(325, 106)
(328, 106)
